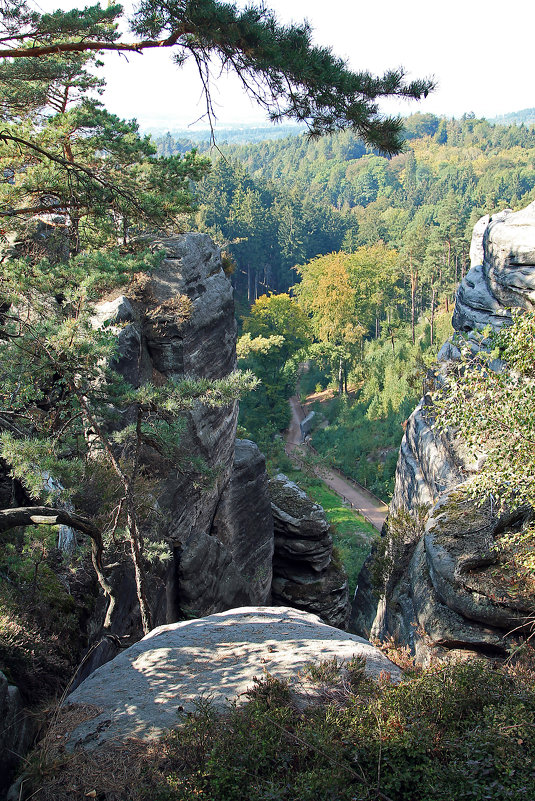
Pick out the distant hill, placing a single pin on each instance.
(524, 117)
(236, 135)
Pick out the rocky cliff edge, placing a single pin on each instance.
(445, 595)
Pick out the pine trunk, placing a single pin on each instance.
(341, 377)
(414, 285)
(141, 587)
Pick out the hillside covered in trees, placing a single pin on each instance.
(372, 247)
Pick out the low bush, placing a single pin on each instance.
(463, 732)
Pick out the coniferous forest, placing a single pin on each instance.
(392, 234)
(165, 305)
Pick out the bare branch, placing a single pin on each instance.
(82, 47)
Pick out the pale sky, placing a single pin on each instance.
(480, 52)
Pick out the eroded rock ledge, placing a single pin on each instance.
(304, 574)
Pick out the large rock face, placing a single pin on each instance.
(445, 595)
(502, 273)
(304, 575)
(214, 520)
(139, 693)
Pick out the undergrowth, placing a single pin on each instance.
(463, 732)
(44, 604)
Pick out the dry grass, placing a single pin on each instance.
(111, 771)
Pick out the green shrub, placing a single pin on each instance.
(462, 732)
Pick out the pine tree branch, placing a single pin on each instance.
(89, 46)
(53, 516)
(72, 166)
(46, 515)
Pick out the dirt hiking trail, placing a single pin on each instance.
(373, 509)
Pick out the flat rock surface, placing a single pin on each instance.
(141, 691)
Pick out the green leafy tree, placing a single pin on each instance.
(326, 293)
(66, 156)
(276, 334)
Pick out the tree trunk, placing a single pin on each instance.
(341, 376)
(49, 516)
(141, 586)
(414, 285)
(432, 315)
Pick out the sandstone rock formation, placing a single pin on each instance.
(446, 595)
(180, 322)
(304, 575)
(16, 730)
(502, 273)
(139, 693)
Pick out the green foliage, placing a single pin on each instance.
(436, 190)
(266, 227)
(462, 732)
(278, 65)
(364, 430)
(493, 413)
(276, 332)
(42, 612)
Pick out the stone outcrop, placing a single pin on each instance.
(243, 522)
(304, 574)
(213, 510)
(139, 692)
(502, 273)
(16, 730)
(447, 596)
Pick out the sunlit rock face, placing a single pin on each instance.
(502, 273)
(217, 657)
(215, 521)
(446, 596)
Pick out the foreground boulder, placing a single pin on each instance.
(304, 573)
(140, 693)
